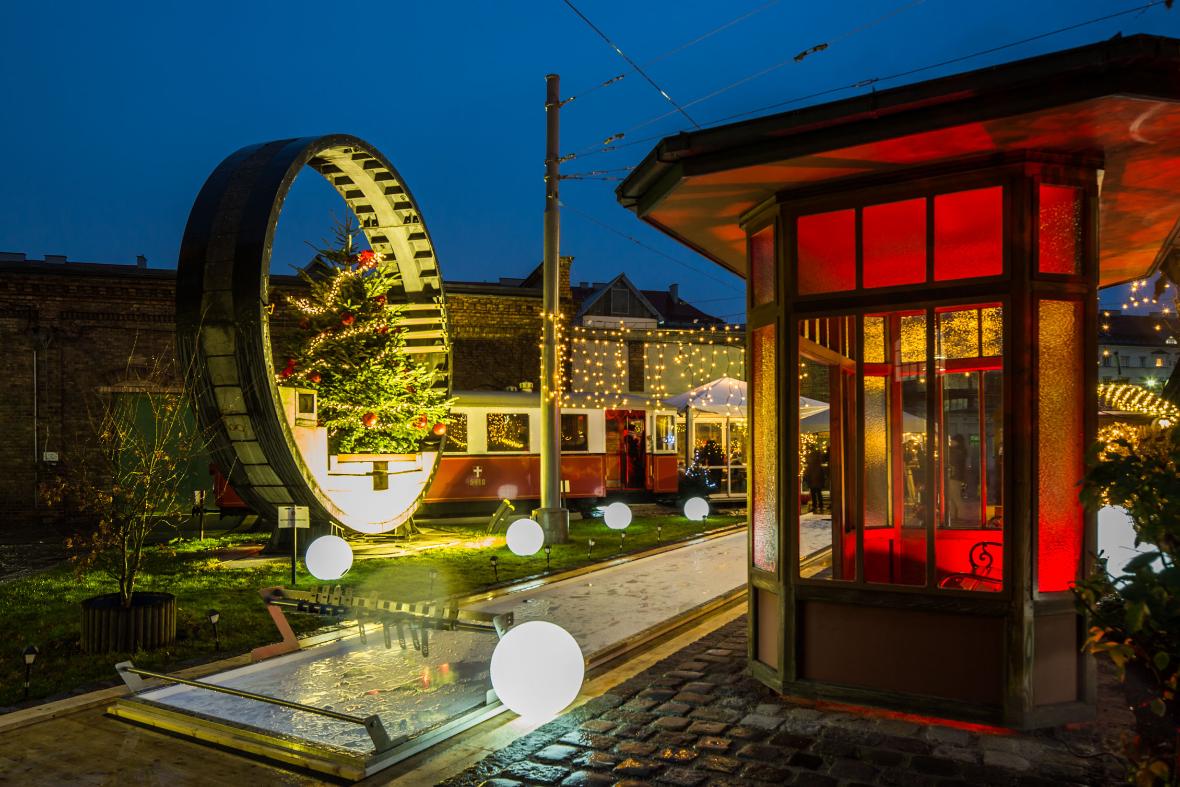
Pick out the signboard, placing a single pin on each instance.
(293, 516)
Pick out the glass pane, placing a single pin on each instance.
(765, 451)
(969, 532)
(825, 462)
(762, 266)
(1060, 239)
(1059, 444)
(456, 442)
(894, 243)
(826, 259)
(665, 433)
(508, 432)
(574, 432)
(894, 440)
(968, 234)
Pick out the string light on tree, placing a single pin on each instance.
(374, 397)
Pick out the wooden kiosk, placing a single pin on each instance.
(926, 261)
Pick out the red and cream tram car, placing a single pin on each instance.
(493, 447)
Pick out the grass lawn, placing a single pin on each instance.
(43, 609)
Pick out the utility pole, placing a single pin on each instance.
(554, 519)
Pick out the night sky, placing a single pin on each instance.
(113, 118)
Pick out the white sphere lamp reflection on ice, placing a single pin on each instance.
(328, 558)
(537, 669)
(525, 537)
(617, 516)
(696, 509)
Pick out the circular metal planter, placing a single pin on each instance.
(222, 307)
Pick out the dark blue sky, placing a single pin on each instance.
(114, 114)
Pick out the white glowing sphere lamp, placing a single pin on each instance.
(617, 516)
(525, 537)
(537, 669)
(328, 558)
(696, 508)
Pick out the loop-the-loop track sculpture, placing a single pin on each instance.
(222, 308)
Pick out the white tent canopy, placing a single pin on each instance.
(727, 396)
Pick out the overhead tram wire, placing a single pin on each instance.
(678, 49)
(872, 81)
(630, 62)
(652, 249)
(797, 58)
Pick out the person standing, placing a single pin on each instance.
(813, 476)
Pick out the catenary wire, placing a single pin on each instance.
(638, 69)
(872, 81)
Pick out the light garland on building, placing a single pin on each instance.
(674, 360)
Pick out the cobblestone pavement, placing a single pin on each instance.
(698, 718)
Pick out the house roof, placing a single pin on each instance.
(1116, 102)
(1137, 329)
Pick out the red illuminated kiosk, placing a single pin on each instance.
(926, 261)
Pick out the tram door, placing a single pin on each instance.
(626, 452)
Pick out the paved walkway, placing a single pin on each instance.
(698, 718)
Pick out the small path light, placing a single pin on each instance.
(496, 567)
(659, 533)
(589, 547)
(30, 654)
(433, 576)
(525, 537)
(622, 538)
(548, 550)
(214, 617)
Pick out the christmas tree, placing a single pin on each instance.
(373, 396)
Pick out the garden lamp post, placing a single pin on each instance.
(214, 617)
(30, 654)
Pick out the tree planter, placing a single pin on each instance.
(148, 624)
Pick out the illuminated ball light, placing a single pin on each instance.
(617, 516)
(328, 558)
(696, 509)
(537, 669)
(525, 537)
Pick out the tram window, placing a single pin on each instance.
(456, 442)
(574, 432)
(665, 433)
(508, 432)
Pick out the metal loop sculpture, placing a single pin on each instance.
(222, 300)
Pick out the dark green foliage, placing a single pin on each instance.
(1135, 617)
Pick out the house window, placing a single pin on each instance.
(508, 432)
(1159, 362)
(620, 301)
(665, 433)
(456, 442)
(574, 432)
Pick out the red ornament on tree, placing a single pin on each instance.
(305, 323)
(366, 259)
(314, 378)
(383, 329)
(347, 319)
(421, 422)
(439, 429)
(379, 300)
(369, 420)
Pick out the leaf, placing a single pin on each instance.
(1136, 613)
(1161, 660)
(1141, 561)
